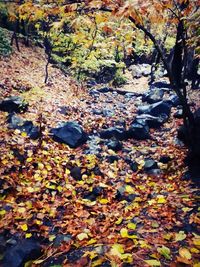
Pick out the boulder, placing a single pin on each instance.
(150, 164)
(70, 133)
(108, 112)
(153, 96)
(139, 131)
(75, 172)
(151, 121)
(174, 100)
(162, 108)
(118, 133)
(24, 251)
(140, 70)
(115, 145)
(13, 104)
(178, 114)
(16, 122)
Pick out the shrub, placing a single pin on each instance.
(5, 47)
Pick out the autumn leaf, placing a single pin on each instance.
(153, 263)
(185, 253)
(164, 251)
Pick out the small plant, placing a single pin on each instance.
(119, 78)
(5, 47)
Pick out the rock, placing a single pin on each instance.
(174, 100)
(132, 163)
(13, 104)
(24, 251)
(158, 109)
(115, 145)
(96, 192)
(118, 133)
(140, 70)
(153, 96)
(139, 131)
(178, 114)
(105, 90)
(93, 145)
(130, 95)
(97, 112)
(16, 122)
(161, 84)
(165, 159)
(112, 159)
(76, 173)
(108, 112)
(150, 164)
(70, 133)
(151, 121)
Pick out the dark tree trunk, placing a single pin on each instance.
(14, 36)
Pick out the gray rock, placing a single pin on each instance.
(70, 133)
(13, 104)
(118, 133)
(22, 252)
(161, 108)
(139, 131)
(153, 96)
(16, 122)
(151, 121)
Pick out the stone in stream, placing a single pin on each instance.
(178, 114)
(115, 145)
(22, 252)
(162, 108)
(174, 100)
(150, 164)
(13, 104)
(75, 172)
(139, 131)
(16, 122)
(70, 133)
(151, 121)
(153, 96)
(117, 132)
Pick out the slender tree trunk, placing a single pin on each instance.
(14, 36)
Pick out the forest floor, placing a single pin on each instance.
(136, 219)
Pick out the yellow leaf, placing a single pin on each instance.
(21, 210)
(97, 263)
(2, 212)
(194, 250)
(24, 134)
(124, 232)
(196, 242)
(103, 201)
(52, 237)
(153, 262)
(40, 166)
(67, 171)
(82, 236)
(24, 227)
(131, 226)
(119, 221)
(129, 189)
(196, 264)
(117, 250)
(180, 236)
(161, 199)
(28, 235)
(185, 253)
(29, 159)
(30, 189)
(91, 241)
